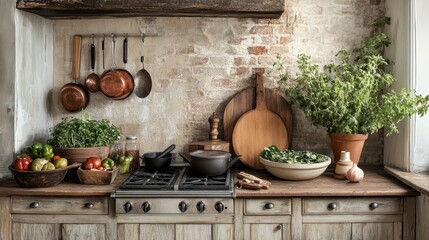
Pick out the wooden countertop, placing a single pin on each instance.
(418, 181)
(377, 182)
(9, 187)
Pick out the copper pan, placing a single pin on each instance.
(73, 96)
(116, 83)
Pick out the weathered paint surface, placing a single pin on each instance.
(7, 83)
(34, 69)
(197, 64)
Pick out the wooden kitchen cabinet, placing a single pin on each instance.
(330, 218)
(180, 231)
(264, 219)
(47, 218)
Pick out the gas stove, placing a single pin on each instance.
(175, 190)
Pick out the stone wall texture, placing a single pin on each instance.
(198, 64)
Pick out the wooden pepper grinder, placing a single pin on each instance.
(214, 143)
(214, 125)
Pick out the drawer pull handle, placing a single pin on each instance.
(34, 204)
(269, 205)
(89, 205)
(373, 205)
(332, 206)
(279, 227)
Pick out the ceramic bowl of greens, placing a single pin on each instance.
(293, 165)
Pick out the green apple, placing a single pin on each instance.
(60, 163)
(48, 166)
(37, 164)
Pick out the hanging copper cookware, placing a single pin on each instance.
(92, 81)
(116, 83)
(73, 96)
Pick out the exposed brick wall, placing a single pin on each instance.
(198, 64)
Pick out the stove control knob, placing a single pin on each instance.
(183, 207)
(201, 206)
(128, 207)
(146, 207)
(219, 207)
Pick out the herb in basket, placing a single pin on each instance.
(83, 133)
(272, 153)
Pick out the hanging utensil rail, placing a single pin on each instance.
(119, 35)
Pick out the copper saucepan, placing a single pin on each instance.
(116, 83)
(73, 96)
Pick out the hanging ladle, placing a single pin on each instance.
(92, 81)
(143, 79)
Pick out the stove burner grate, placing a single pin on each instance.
(142, 179)
(192, 181)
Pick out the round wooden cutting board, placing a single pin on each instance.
(257, 129)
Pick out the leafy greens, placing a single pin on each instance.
(272, 153)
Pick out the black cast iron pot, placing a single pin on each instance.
(154, 163)
(209, 162)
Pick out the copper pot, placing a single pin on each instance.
(73, 96)
(116, 83)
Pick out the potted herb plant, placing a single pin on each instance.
(77, 139)
(350, 96)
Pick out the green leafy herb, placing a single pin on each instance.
(82, 133)
(272, 153)
(350, 96)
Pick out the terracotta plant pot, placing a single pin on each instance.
(81, 154)
(352, 143)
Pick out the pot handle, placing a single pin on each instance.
(233, 161)
(186, 156)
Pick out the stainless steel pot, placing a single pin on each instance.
(209, 162)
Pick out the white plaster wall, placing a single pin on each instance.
(409, 150)
(396, 146)
(7, 83)
(33, 85)
(420, 148)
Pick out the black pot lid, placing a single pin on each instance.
(211, 154)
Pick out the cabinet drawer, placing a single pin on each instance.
(353, 205)
(60, 205)
(267, 207)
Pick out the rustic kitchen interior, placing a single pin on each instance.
(198, 61)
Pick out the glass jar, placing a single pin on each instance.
(117, 149)
(132, 149)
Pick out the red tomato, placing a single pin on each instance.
(89, 165)
(100, 168)
(55, 158)
(96, 161)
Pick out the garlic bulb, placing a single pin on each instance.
(355, 174)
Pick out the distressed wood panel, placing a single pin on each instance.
(296, 224)
(353, 205)
(323, 231)
(374, 231)
(156, 232)
(257, 207)
(193, 232)
(267, 231)
(222, 231)
(409, 220)
(5, 218)
(27, 231)
(83, 231)
(356, 218)
(119, 8)
(128, 231)
(34, 218)
(55, 205)
(267, 219)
